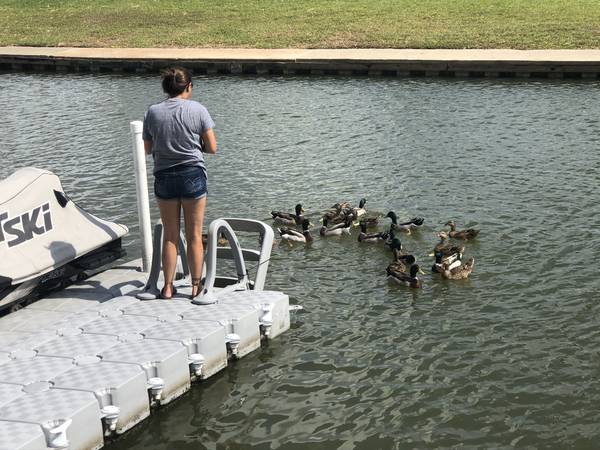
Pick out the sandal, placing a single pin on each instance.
(162, 292)
(195, 284)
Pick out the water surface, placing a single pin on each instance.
(507, 359)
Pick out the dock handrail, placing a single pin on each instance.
(219, 227)
(262, 256)
(226, 227)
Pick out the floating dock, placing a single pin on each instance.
(92, 360)
(88, 362)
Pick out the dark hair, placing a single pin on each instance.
(175, 80)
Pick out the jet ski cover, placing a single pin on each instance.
(41, 229)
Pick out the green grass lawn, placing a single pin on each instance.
(519, 24)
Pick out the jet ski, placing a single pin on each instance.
(46, 240)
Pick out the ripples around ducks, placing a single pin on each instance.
(506, 359)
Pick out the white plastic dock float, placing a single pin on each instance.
(91, 360)
(273, 307)
(36, 321)
(10, 392)
(239, 320)
(159, 359)
(119, 385)
(70, 419)
(21, 436)
(12, 341)
(206, 339)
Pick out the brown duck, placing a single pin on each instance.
(446, 249)
(462, 234)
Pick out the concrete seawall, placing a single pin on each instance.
(277, 62)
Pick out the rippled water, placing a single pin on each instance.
(507, 359)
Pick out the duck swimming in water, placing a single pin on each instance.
(360, 211)
(446, 262)
(370, 222)
(288, 218)
(363, 236)
(400, 262)
(395, 246)
(221, 240)
(335, 230)
(462, 234)
(447, 249)
(461, 272)
(390, 239)
(407, 279)
(290, 235)
(337, 213)
(412, 224)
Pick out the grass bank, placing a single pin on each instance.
(518, 24)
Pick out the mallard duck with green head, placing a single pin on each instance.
(401, 262)
(391, 236)
(395, 245)
(410, 279)
(363, 236)
(446, 262)
(360, 211)
(290, 235)
(412, 224)
(460, 234)
(289, 219)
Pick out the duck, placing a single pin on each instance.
(447, 249)
(414, 223)
(371, 221)
(446, 262)
(407, 279)
(221, 240)
(390, 240)
(462, 234)
(290, 235)
(401, 263)
(336, 210)
(342, 211)
(335, 230)
(401, 260)
(395, 246)
(289, 219)
(363, 236)
(461, 272)
(360, 211)
(345, 214)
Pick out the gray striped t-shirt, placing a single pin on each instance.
(174, 126)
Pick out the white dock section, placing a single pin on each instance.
(93, 360)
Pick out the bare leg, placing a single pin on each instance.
(170, 212)
(193, 214)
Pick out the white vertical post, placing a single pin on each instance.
(141, 185)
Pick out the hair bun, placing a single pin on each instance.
(175, 80)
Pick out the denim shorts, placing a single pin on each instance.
(180, 182)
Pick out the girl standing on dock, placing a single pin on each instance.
(177, 131)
